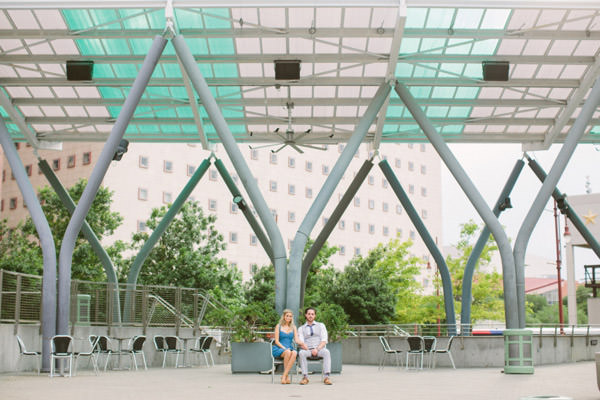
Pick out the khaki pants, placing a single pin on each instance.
(303, 354)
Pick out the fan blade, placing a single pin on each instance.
(300, 136)
(279, 149)
(298, 149)
(313, 147)
(262, 146)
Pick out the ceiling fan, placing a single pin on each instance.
(290, 138)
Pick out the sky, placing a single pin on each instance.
(489, 166)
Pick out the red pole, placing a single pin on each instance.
(558, 262)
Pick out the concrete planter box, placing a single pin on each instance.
(250, 357)
(335, 350)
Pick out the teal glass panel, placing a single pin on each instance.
(114, 111)
(459, 112)
(134, 18)
(409, 45)
(206, 70)
(443, 92)
(3, 112)
(230, 92)
(77, 19)
(390, 129)
(203, 113)
(221, 46)
(415, 17)
(149, 129)
(116, 46)
(157, 19)
(474, 71)
(213, 91)
(132, 129)
(467, 92)
(209, 128)
(184, 112)
(451, 70)
(165, 113)
(237, 129)
(433, 45)
(225, 70)
(422, 72)
(125, 70)
(197, 45)
(140, 46)
(595, 130)
(188, 19)
(158, 91)
(487, 46)
(468, 18)
(232, 113)
(171, 70)
(105, 18)
(495, 18)
(395, 111)
(88, 47)
(420, 92)
(217, 18)
(409, 128)
(437, 111)
(459, 46)
(189, 129)
(170, 128)
(157, 73)
(404, 70)
(440, 18)
(110, 92)
(452, 129)
(178, 92)
(169, 49)
(103, 71)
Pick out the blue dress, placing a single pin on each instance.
(286, 341)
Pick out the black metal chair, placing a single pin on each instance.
(61, 349)
(430, 343)
(160, 346)
(388, 351)
(445, 350)
(137, 347)
(416, 347)
(23, 352)
(175, 346)
(92, 354)
(102, 347)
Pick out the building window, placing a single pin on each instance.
(411, 166)
(398, 209)
(190, 170)
(371, 204)
(12, 203)
(274, 213)
(411, 189)
(144, 162)
(141, 226)
(273, 186)
(411, 145)
(254, 154)
(342, 250)
(291, 216)
(291, 162)
(87, 158)
(233, 237)
(398, 163)
(357, 227)
(342, 225)
(356, 201)
(308, 193)
(142, 194)
(424, 191)
(233, 265)
(371, 229)
(385, 207)
(273, 158)
(291, 189)
(340, 148)
(324, 220)
(424, 214)
(55, 164)
(384, 183)
(167, 197)
(233, 208)
(325, 170)
(71, 161)
(412, 235)
(1, 205)
(212, 205)
(168, 166)
(253, 240)
(423, 169)
(422, 147)
(371, 180)
(212, 174)
(357, 251)
(386, 231)
(28, 169)
(308, 166)
(3, 175)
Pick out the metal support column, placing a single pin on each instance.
(162, 226)
(502, 204)
(297, 251)
(565, 208)
(88, 233)
(46, 243)
(508, 266)
(429, 243)
(233, 151)
(238, 199)
(332, 222)
(68, 244)
(564, 155)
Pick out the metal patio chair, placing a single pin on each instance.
(388, 351)
(23, 352)
(61, 348)
(445, 350)
(92, 353)
(136, 347)
(416, 347)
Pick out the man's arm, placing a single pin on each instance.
(301, 337)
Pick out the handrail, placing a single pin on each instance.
(169, 307)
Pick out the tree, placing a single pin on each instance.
(23, 250)
(187, 254)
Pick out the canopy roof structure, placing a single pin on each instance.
(345, 51)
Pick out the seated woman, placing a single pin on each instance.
(285, 334)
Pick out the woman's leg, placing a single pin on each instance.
(289, 362)
(286, 356)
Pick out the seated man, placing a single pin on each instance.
(313, 336)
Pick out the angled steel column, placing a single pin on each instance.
(332, 222)
(68, 244)
(564, 155)
(46, 243)
(565, 208)
(508, 265)
(233, 151)
(429, 242)
(467, 284)
(162, 226)
(297, 251)
(88, 233)
(238, 199)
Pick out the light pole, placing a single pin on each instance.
(558, 262)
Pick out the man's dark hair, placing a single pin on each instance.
(309, 308)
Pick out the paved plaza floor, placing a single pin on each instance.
(575, 380)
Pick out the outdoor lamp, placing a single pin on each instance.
(121, 149)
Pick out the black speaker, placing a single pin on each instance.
(495, 70)
(287, 69)
(80, 70)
